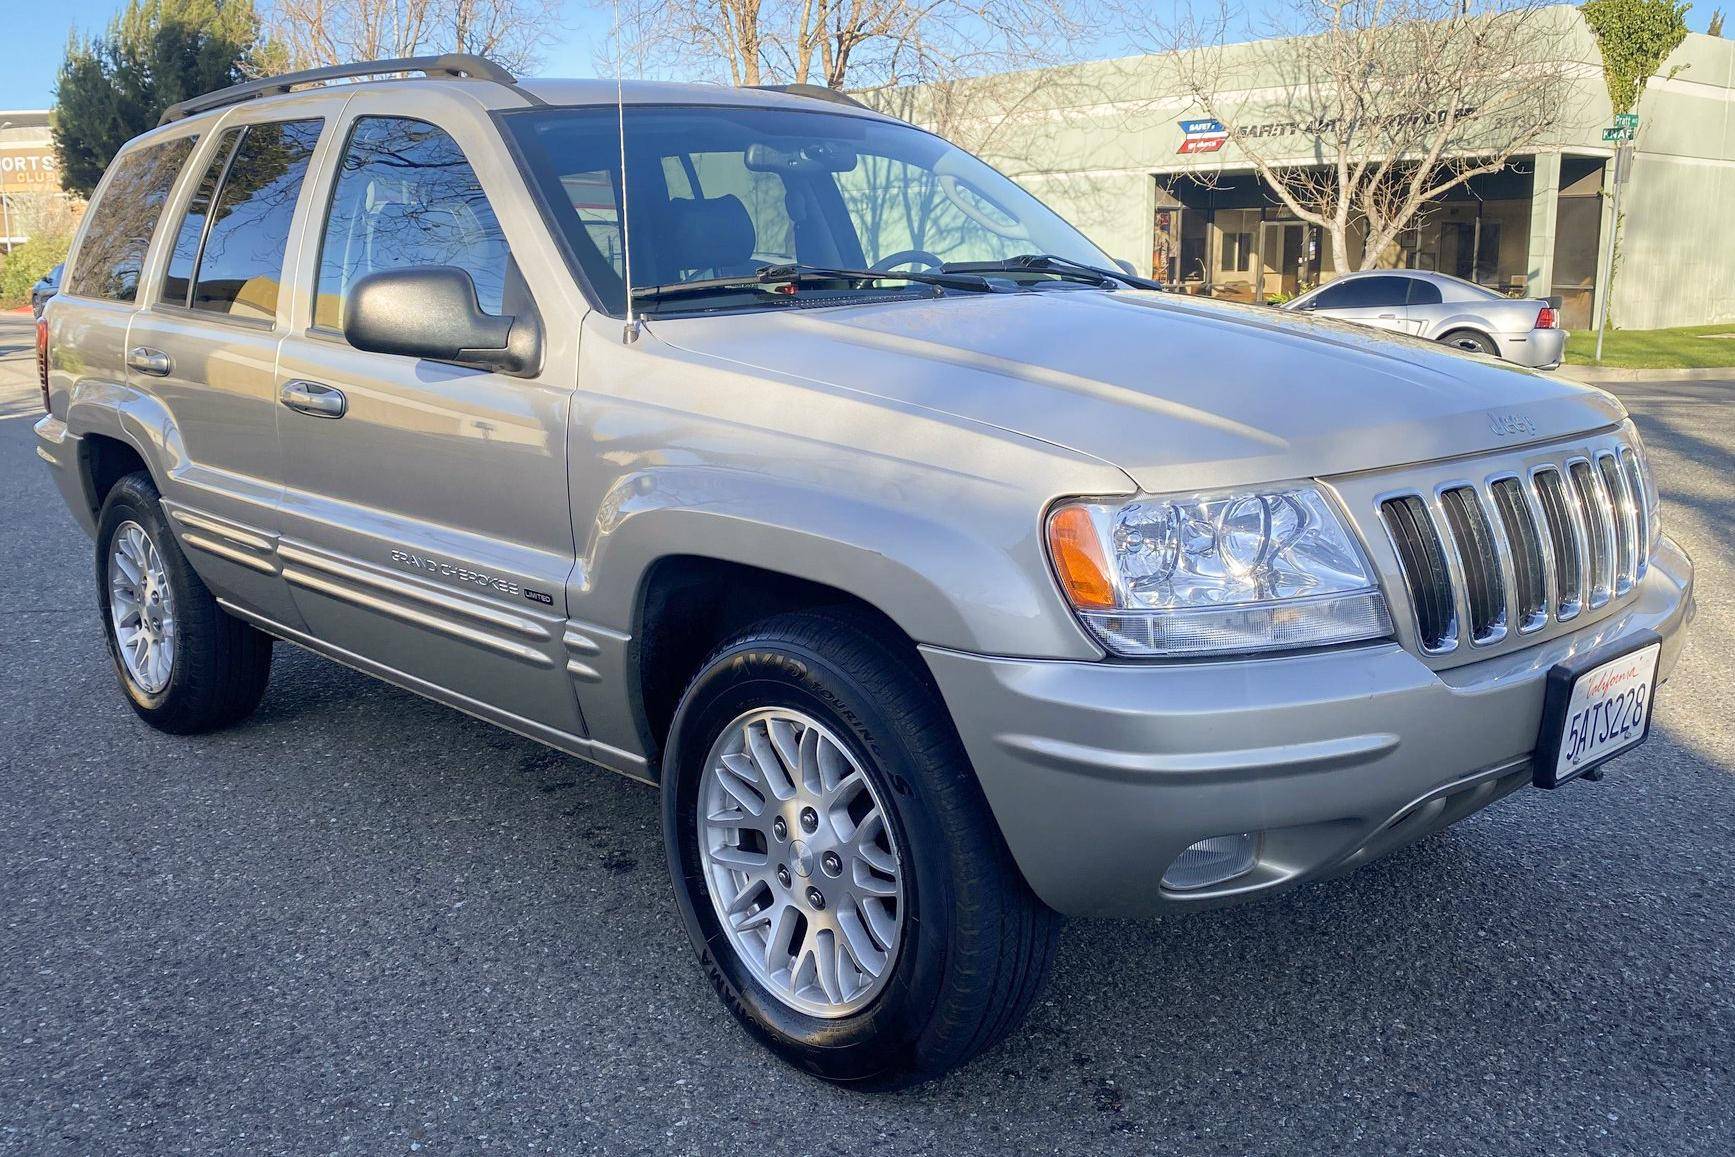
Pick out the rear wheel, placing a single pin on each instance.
(184, 663)
(835, 863)
(1470, 341)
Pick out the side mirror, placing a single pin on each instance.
(1127, 267)
(431, 312)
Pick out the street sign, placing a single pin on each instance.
(1617, 134)
(1627, 120)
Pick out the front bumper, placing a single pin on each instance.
(1100, 774)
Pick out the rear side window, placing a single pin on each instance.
(406, 198)
(239, 271)
(1424, 292)
(123, 219)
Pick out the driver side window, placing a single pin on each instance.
(405, 198)
(898, 207)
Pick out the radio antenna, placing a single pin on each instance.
(631, 333)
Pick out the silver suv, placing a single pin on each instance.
(941, 576)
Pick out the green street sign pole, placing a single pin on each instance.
(1622, 169)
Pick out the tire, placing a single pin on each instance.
(974, 944)
(1470, 341)
(217, 669)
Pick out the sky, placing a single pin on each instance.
(36, 34)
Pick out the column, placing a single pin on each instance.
(1544, 203)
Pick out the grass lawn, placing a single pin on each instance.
(1690, 347)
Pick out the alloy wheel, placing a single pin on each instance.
(141, 608)
(804, 872)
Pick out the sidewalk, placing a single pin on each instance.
(1594, 375)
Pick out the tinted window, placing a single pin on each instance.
(178, 281)
(240, 268)
(1424, 292)
(405, 197)
(123, 219)
(1363, 293)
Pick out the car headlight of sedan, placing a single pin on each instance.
(1212, 574)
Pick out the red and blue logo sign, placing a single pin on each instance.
(1202, 136)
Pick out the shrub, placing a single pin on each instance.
(26, 264)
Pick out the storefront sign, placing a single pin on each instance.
(1202, 136)
(28, 169)
(1207, 136)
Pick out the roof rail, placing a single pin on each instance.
(815, 92)
(449, 64)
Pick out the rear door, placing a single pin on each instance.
(96, 304)
(206, 345)
(427, 533)
(1379, 301)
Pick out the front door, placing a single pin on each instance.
(426, 528)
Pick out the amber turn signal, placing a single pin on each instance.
(1079, 560)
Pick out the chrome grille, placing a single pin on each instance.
(1599, 515)
(1518, 551)
(1423, 562)
(1529, 570)
(1484, 588)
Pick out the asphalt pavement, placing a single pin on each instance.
(363, 923)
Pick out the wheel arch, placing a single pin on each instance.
(120, 429)
(689, 604)
(104, 460)
(1463, 325)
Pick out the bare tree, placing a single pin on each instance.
(309, 33)
(855, 44)
(1368, 110)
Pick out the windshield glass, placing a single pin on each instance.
(721, 192)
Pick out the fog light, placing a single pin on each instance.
(1211, 861)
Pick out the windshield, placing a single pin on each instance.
(722, 192)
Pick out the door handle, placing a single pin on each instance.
(321, 401)
(1388, 317)
(150, 361)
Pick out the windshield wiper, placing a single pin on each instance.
(1063, 267)
(794, 274)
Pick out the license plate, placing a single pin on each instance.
(1596, 707)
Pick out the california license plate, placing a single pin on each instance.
(1596, 707)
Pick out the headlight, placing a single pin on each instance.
(1208, 574)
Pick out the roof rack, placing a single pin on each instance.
(449, 64)
(815, 92)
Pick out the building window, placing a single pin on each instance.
(1237, 252)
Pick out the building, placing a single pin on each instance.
(1154, 183)
(28, 172)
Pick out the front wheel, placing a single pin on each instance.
(835, 862)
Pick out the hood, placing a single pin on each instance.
(1181, 393)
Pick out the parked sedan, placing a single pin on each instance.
(1446, 309)
(46, 287)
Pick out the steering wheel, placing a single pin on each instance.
(906, 257)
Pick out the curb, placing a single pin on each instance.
(1595, 374)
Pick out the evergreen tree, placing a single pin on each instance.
(114, 86)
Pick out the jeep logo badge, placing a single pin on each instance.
(1511, 424)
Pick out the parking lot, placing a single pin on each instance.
(363, 923)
